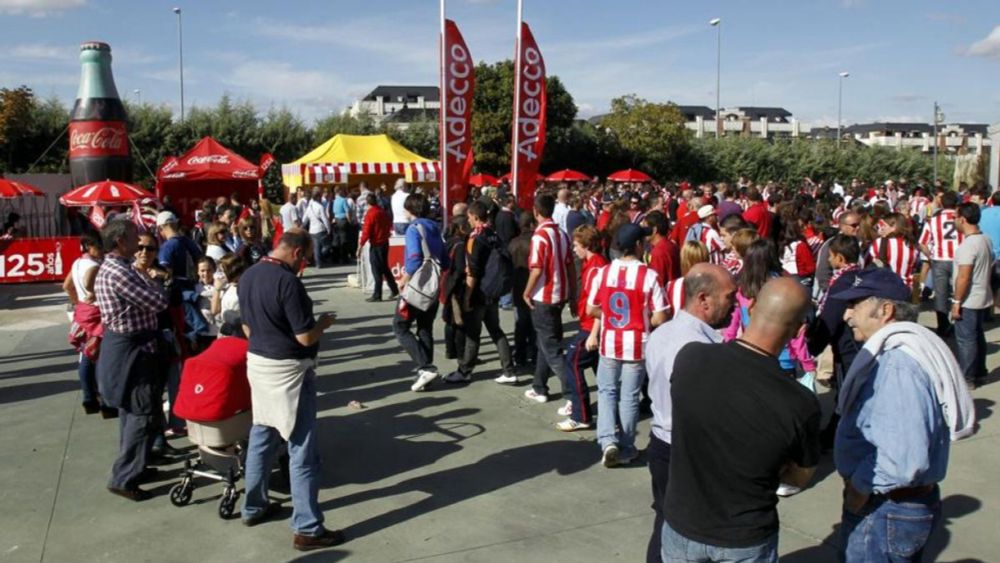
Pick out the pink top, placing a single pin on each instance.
(797, 349)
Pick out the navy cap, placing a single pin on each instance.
(629, 235)
(878, 282)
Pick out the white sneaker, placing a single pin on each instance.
(505, 379)
(424, 377)
(565, 410)
(570, 425)
(610, 456)
(532, 396)
(788, 490)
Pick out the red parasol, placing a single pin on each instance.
(107, 192)
(630, 175)
(567, 175)
(480, 180)
(506, 178)
(10, 189)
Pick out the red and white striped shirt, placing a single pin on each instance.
(918, 207)
(941, 235)
(713, 241)
(627, 292)
(675, 296)
(550, 252)
(838, 212)
(900, 256)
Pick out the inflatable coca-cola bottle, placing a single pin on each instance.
(98, 139)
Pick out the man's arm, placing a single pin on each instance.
(797, 476)
(313, 335)
(529, 289)
(961, 290)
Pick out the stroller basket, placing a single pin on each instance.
(221, 455)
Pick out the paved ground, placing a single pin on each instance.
(454, 474)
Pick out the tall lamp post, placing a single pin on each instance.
(938, 120)
(180, 56)
(138, 96)
(840, 101)
(717, 24)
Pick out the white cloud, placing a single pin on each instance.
(311, 93)
(41, 51)
(38, 8)
(988, 47)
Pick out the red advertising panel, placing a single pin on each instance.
(97, 138)
(529, 117)
(37, 259)
(458, 77)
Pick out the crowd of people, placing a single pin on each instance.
(719, 308)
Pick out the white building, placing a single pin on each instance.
(398, 104)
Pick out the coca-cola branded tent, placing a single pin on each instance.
(205, 172)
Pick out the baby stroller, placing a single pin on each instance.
(214, 397)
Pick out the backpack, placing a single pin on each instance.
(694, 232)
(424, 286)
(498, 280)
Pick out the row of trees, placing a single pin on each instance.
(635, 134)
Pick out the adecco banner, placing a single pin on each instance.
(458, 77)
(529, 117)
(37, 259)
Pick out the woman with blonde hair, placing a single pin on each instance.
(739, 243)
(693, 252)
(215, 241)
(251, 248)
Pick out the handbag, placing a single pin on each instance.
(423, 289)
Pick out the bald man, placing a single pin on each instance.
(561, 212)
(709, 294)
(740, 427)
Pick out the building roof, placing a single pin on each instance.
(404, 93)
(409, 115)
(973, 128)
(690, 112)
(771, 113)
(889, 128)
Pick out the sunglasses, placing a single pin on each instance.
(147, 248)
(852, 225)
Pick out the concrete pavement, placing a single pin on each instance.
(470, 473)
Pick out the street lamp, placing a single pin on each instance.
(180, 57)
(138, 96)
(938, 120)
(840, 101)
(717, 24)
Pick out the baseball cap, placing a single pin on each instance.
(877, 282)
(705, 211)
(629, 235)
(164, 217)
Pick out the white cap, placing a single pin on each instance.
(164, 217)
(705, 211)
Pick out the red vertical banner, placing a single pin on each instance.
(458, 81)
(529, 117)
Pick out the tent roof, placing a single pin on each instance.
(207, 160)
(342, 149)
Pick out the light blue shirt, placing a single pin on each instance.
(989, 223)
(661, 351)
(340, 208)
(894, 435)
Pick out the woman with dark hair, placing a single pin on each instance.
(896, 246)
(796, 257)
(86, 331)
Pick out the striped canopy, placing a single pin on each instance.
(107, 192)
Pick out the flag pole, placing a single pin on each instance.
(442, 94)
(517, 101)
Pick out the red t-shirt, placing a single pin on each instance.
(684, 222)
(214, 383)
(664, 260)
(589, 269)
(758, 216)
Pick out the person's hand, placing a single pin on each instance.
(90, 299)
(358, 254)
(325, 320)
(527, 301)
(573, 313)
(854, 501)
(956, 312)
(219, 283)
(592, 342)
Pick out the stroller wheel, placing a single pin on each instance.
(227, 504)
(180, 494)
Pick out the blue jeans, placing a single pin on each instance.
(677, 548)
(890, 531)
(88, 378)
(303, 465)
(318, 239)
(970, 344)
(618, 387)
(506, 301)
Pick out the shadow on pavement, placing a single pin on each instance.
(325, 555)
(952, 508)
(29, 391)
(38, 356)
(451, 486)
(46, 369)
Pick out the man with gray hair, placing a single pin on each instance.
(849, 224)
(400, 220)
(903, 400)
(709, 293)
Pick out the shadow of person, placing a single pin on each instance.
(823, 552)
(398, 435)
(30, 391)
(324, 555)
(953, 507)
(445, 488)
(984, 408)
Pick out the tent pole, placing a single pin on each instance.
(515, 138)
(442, 131)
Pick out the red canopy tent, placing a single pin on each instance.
(567, 175)
(480, 180)
(630, 175)
(205, 172)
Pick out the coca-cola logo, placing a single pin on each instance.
(244, 174)
(208, 159)
(107, 140)
(170, 165)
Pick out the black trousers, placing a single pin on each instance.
(658, 459)
(138, 425)
(525, 341)
(549, 334)
(487, 314)
(378, 258)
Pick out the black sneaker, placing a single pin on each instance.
(91, 407)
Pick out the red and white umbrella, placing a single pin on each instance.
(630, 175)
(107, 192)
(567, 175)
(480, 180)
(9, 189)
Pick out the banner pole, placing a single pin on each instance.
(442, 132)
(515, 180)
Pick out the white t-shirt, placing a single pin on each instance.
(230, 312)
(205, 293)
(80, 268)
(215, 252)
(315, 216)
(289, 215)
(398, 211)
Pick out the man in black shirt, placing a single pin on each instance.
(478, 308)
(740, 427)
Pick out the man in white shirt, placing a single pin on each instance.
(317, 222)
(291, 217)
(561, 211)
(399, 217)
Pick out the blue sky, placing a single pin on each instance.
(317, 56)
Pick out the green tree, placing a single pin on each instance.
(652, 134)
(342, 124)
(421, 137)
(16, 108)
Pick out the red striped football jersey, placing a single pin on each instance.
(941, 235)
(628, 293)
(900, 256)
(675, 296)
(550, 252)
